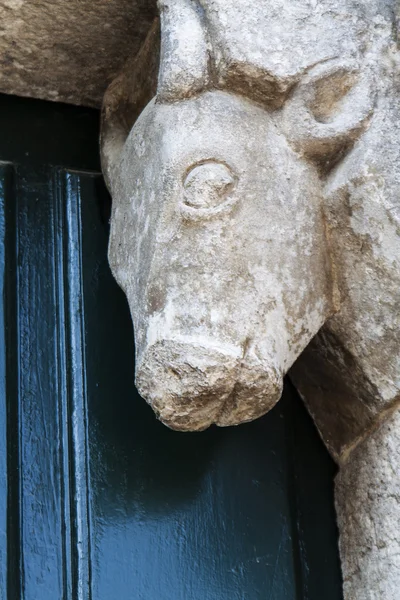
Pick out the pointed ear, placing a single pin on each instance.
(184, 64)
(125, 99)
(329, 110)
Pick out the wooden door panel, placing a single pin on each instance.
(98, 500)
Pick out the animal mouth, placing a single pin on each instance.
(194, 384)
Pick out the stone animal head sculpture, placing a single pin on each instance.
(253, 163)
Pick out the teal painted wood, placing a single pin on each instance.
(9, 546)
(4, 471)
(98, 500)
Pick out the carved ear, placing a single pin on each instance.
(329, 110)
(125, 99)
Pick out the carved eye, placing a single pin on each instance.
(206, 190)
(208, 185)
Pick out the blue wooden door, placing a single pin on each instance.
(98, 500)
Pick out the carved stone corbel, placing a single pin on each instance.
(368, 510)
(254, 160)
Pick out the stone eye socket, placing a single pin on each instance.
(207, 185)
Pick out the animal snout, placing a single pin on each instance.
(193, 384)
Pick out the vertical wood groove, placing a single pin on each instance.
(11, 346)
(9, 486)
(70, 203)
(63, 396)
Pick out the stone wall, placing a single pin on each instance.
(68, 50)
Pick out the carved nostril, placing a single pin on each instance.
(207, 185)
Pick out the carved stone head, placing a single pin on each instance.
(234, 156)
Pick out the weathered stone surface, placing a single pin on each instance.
(368, 508)
(126, 98)
(350, 374)
(68, 50)
(256, 204)
(220, 309)
(233, 222)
